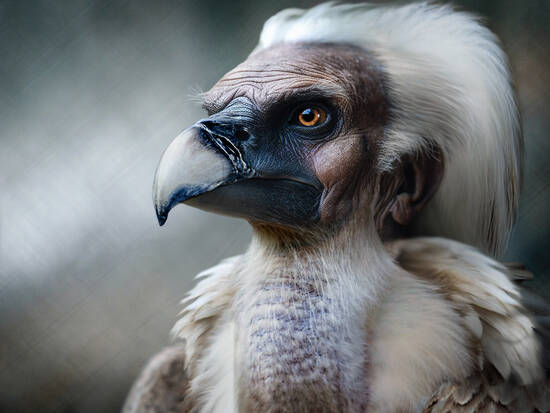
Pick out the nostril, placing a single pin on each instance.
(207, 123)
(242, 134)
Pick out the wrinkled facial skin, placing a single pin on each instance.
(336, 158)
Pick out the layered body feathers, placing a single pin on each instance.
(440, 327)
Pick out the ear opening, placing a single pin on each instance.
(420, 177)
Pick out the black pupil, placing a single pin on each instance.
(308, 115)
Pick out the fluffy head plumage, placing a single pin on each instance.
(449, 85)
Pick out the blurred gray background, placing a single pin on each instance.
(91, 92)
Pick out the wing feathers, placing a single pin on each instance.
(509, 339)
(513, 326)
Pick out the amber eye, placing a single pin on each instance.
(311, 117)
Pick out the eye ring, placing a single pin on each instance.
(311, 116)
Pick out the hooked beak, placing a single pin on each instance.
(197, 161)
(219, 166)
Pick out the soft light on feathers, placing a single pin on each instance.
(449, 85)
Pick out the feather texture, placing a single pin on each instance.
(512, 377)
(453, 333)
(205, 304)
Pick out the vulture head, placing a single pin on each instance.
(401, 119)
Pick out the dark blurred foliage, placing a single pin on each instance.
(91, 93)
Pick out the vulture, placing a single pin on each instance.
(376, 151)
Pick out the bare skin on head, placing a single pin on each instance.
(345, 160)
(274, 75)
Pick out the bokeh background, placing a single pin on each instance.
(91, 92)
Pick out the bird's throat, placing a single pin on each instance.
(302, 340)
(297, 350)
